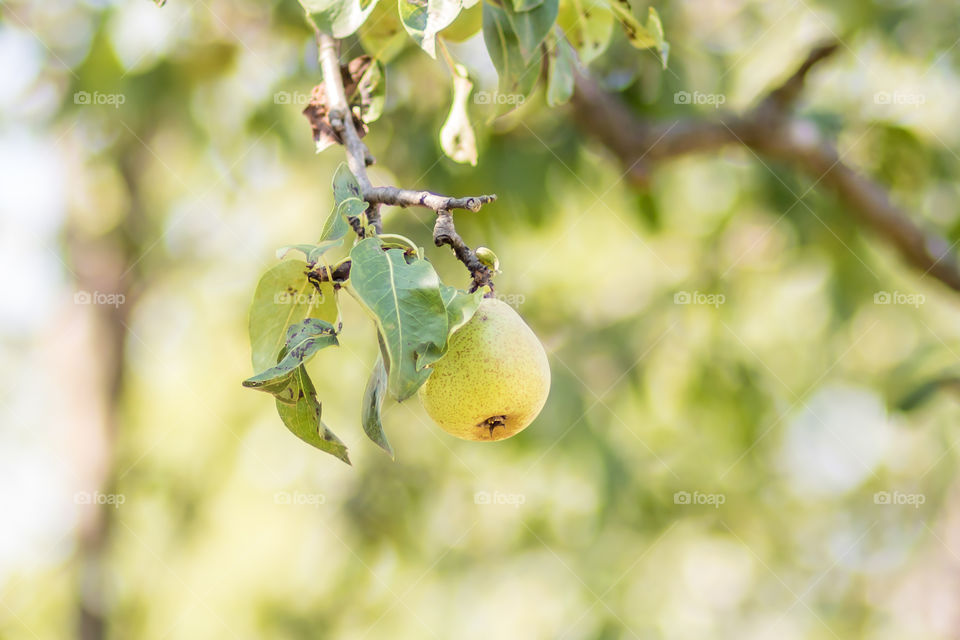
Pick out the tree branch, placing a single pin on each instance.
(786, 95)
(359, 158)
(444, 233)
(430, 200)
(769, 130)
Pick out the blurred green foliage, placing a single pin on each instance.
(722, 455)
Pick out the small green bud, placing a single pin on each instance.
(488, 258)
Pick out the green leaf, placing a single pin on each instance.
(560, 73)
(533, 25)
(460, 306)
(456, 135)
(424, 18)
(296, 397)
(312, 252)
(383, 35)
(655, 28)
(338, 222)
(526, 5)
(302, 416)
(340, 18)
(303, 340)
(517, 77)
(305, 249)
(283, 297)
(649, 36)
(345, 185)
(370, 93)
(588, 25)
(335, 227)
(404, 300)
(372, 403)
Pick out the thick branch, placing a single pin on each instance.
(408, 198)
(771, 131)
(359, 157)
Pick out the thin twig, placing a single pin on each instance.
(444, 233)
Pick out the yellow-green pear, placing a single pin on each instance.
(492, 381)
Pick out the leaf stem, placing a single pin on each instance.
(398, 241)
(446, 55)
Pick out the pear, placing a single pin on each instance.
(492, 381)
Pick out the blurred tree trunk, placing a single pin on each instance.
(101, 265)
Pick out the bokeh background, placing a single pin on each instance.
(726, 451)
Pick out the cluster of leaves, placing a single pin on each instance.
(295, 310)
(295, 314)
(526, 39)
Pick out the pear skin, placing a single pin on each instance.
(492, 381)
